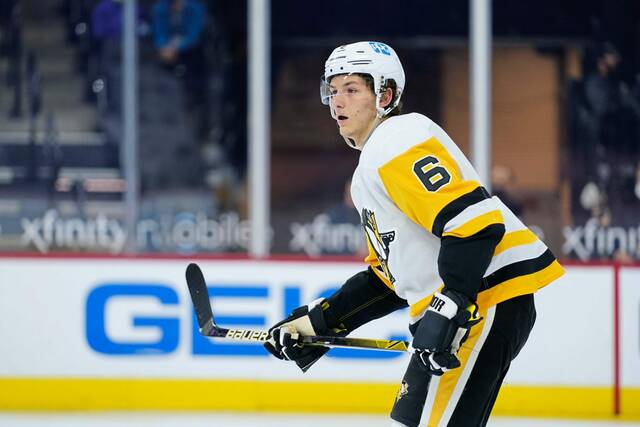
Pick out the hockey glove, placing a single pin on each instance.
(443, 328)
(285, 335)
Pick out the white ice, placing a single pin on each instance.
(217, 419)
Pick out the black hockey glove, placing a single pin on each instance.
(303, 321)
(442, 329)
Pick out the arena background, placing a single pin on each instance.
(121, 162)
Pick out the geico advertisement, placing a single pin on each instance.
(134, 318)
(574, 317)
(630, 326)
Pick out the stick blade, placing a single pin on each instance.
(199, 294)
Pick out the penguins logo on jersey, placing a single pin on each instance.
(379, 242)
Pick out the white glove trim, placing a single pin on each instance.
(314, 303)
(443, 305)
(284, 331)
(302, 325)
(435, 365)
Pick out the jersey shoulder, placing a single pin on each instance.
(394, 136)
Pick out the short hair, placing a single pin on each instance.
(390, 84)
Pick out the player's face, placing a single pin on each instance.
(353, 105)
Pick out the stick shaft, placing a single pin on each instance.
(209, 328)
(314, 340)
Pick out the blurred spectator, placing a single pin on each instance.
(227, 43)
(105, 54)
(106, 20)
(604, 137)
(105, 57)
(601, 95)
(602, 80)
(503, 182)
(177, 27)
(11, 47)
(179, 35)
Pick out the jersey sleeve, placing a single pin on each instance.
(361, 299)
(428, 185)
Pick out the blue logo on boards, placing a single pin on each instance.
(97, 336)
(166, 327)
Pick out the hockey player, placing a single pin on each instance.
(438, 242)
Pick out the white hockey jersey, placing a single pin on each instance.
(414, 186)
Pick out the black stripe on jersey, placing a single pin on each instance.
(451, 210)
(517, 269)
(462, 262)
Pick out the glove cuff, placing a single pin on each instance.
(443, 305)
(305, 362)
(466, 310)
(307, 319)
(317, 317)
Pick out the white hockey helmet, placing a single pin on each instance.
(376, 59)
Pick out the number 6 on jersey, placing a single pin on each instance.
(434, 177)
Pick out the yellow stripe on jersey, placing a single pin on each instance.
(515, 238)
(410, 194)
(520, 285)
(478, 223)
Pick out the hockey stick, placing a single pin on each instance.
(208, 327)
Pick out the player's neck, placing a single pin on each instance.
(374, 124)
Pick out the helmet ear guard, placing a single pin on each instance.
(395, 100)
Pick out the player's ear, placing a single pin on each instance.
(386, 98)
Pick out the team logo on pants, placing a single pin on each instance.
(404, 390)
(378, 241)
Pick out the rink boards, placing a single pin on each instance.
(117, 333)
